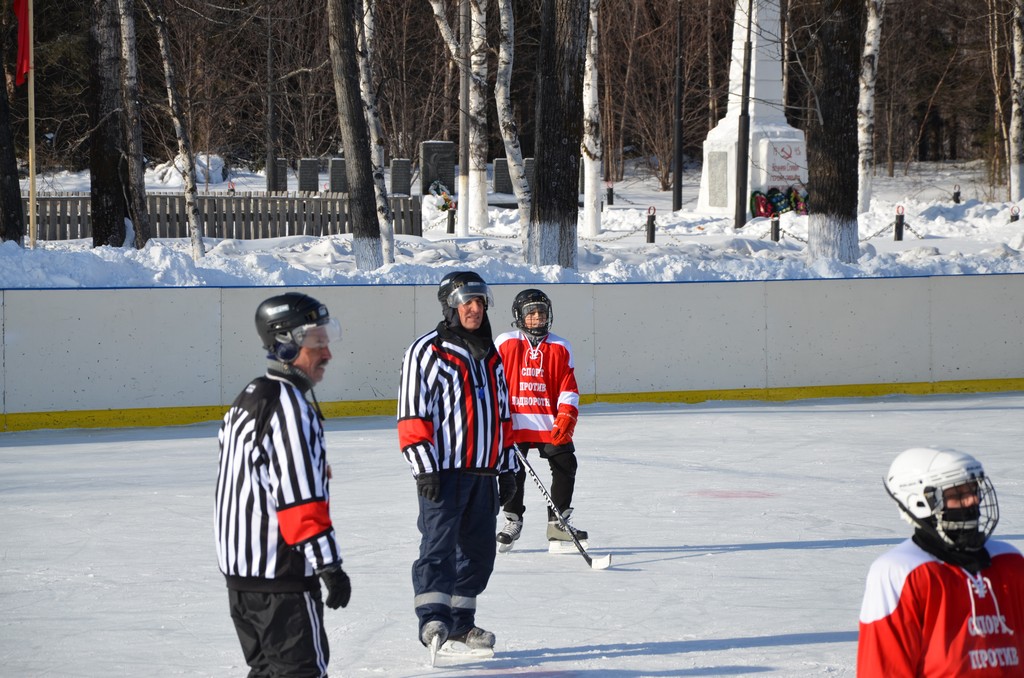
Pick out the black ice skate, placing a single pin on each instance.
(510, 533)
(559, 540)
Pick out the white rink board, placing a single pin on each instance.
(671, 337)
(871, 331)
(71, 350)
(110, 349)
(978, 327)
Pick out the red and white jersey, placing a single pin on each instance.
(924, 618)
(541, 383)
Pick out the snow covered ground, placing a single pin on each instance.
(741, 534)
(941, 237)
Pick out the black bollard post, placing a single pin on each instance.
(1014, 214)
(611, 195)
(775, 228)
(650, 224)
(451, 221)
(956, 194)
(898, 229)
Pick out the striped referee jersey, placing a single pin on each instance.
(272, 524)
(453, 410)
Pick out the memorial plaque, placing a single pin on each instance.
(338, 179)
(401, 176)
(437, 163)
(281, 176)
(718, 179)
(309, 175)
(502, 180)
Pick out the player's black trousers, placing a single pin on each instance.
(562, 460)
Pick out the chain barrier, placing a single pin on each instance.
(441, 222)
(621, 236)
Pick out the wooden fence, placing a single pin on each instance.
(66, 216)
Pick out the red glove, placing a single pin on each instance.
(561, 432)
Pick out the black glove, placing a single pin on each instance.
(429, 486)
(506, 487)
(339, 588)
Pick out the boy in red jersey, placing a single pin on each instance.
(544, 401)
(949, 601)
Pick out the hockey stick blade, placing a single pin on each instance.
(601, 563)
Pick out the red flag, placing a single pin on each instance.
(21, 12)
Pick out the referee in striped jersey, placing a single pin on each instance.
(455, 431)
(275, 540)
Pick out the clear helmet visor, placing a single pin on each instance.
(540, 308)
(317, 336)
(471, 290)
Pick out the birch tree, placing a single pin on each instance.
(1017, 106)
(366, 245)
(551, 239)
(131, 121)
(866, 104)
(478, 115)
(832, 132)
(591, 147)
(365, 31)
(506, 118)
(155, 11)
(476, 208)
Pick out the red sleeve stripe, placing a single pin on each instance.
(413, 431)
(303, 522)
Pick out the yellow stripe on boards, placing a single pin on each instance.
(176, 416)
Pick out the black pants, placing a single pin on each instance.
(562, 460)
(282, 634)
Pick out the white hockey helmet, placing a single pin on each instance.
(919, 479)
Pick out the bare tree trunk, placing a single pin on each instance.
(591, 147)
(563, 44)
(832, 135)
(478, 116)
(472, 206)
(1017, 110)
(866, 104)
(155, 10)
(506, 118)
(1002, 141)
(131, 121)
(107, 162)
(712, 84)
(365, 30)
(366, 244)
(12, 221)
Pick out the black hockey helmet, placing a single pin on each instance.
(284, 321)
(529, 301)
(458, 287)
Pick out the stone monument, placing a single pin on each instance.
(777, 151)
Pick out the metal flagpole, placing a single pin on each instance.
(31, 133)
(743, 140)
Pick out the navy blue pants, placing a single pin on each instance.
(456, 550)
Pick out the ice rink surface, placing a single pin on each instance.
(740, 533)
